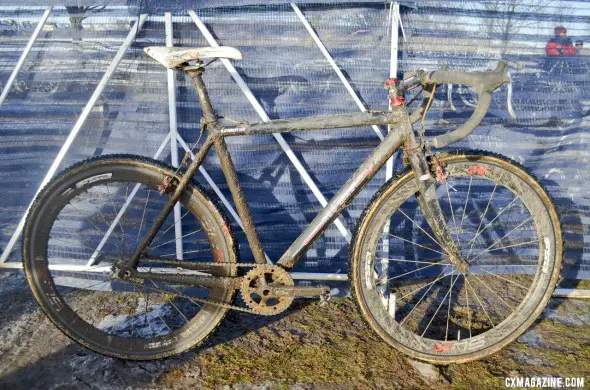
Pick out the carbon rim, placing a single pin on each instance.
(126, 320)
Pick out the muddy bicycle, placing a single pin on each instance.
(451, 260)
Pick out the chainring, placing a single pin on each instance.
(254, 292)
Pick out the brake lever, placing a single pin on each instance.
(450, 97)
(509, 97)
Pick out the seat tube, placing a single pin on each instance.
(231, 178)
(227, 166)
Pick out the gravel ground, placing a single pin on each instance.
(305, 347)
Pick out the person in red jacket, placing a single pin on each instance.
(560, 45)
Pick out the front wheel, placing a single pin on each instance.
(504, 225)
(92, 217)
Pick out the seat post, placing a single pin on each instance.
(209, 115)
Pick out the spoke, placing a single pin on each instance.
(124, 216)
(505, 247)
(104, 282)
(496, 217)
(499, 240)
(87, 247)
(480, 303)
(102, 216)
(415, 243)
(133, 322)
(146, 309)
(451, 206)
(424, 295)
(96, 227)
(465, 206)
(187, 252)
(123, 236)
(99, 290)
(472, 213)
(106, 223)
(161, 319)
(492, 290)
(438, 277)
(92, 223)
(503, 278)
(416, 270)
(95, 284)
(142, 217)
(172, 303)
(176, 239)
(407, 261)
(439, 306)
(468, 308)
(183, 295)
(114, 209)
(171, 226)
(103, 302)
(449, 309)
(481, 220)
(156, 311)
(419, 227)
(504, 265)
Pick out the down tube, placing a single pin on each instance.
(342, 199)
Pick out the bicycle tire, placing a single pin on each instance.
(60, 303)
(387, 319)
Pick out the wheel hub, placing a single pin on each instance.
(461, 264)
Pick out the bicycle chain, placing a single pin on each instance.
(196, 263)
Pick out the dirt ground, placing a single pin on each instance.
(306, 347)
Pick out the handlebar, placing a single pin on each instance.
(484, 83)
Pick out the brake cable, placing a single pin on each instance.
(435, 165)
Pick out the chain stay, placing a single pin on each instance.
(286, 291)
(196, 265)
(201, 300)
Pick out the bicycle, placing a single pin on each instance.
(490, 261)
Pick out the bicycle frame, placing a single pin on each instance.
(402, 136)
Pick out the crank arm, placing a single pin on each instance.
(297, 291)
(232, 283)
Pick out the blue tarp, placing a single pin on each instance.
(291, 78)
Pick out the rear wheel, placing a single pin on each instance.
(94, 215)
(505, 226)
